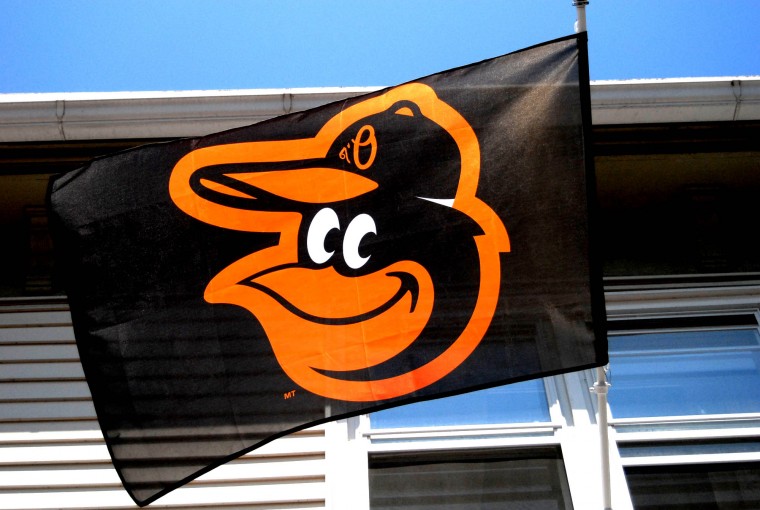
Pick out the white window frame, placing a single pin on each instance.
(660, 433)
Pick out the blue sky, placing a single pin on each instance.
(107, 45)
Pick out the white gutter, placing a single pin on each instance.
(676, 100)
(91, 116)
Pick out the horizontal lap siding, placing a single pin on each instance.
(52, 453)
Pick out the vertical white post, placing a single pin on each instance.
(600, 388)
(580, 8)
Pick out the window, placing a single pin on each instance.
(481, 479)
(705, 486)
(685, 398)
(522, 402)
(712, 369)
(494, 448)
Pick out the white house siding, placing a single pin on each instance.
(52, 453)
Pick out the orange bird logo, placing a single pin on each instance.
(350, 288)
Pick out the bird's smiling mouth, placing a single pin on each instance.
(323, 296)
(318, 319)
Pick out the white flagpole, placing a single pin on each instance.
(600, 386)
(580, 8)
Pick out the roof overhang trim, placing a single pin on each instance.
(171, 114)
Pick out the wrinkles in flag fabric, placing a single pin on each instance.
(420, 241)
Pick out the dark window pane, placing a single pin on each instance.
(475, 480)
(734, 486)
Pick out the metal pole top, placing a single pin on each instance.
(580, 7)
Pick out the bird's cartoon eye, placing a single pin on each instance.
(355, 232)
(324, 221)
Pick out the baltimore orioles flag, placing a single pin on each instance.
(420, 241)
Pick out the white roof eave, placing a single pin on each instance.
(173, 114)
(675, 100)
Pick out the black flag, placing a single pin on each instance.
(420, 241)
